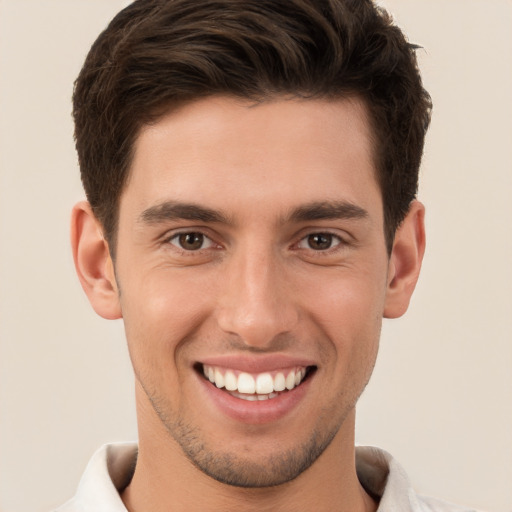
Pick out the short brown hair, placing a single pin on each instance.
(156, 53)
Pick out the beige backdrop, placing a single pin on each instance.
(440, 399)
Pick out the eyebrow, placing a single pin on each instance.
(326, 210)
(173, 210)
(323, 210)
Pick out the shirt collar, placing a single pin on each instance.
(111, 469)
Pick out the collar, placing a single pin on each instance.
(111, 469)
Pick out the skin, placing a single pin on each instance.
(258, 285)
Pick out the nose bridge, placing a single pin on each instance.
(255, 304)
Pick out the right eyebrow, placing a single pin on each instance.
(174, 210)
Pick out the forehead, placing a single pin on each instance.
(276, 152)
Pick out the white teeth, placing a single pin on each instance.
(279, 382)
(230, 381)
(267, 397)
(264, 384)
(290, 381)
(246, 384)
(258, 387)
(254, 397)
(219, 378)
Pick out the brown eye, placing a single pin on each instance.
(191, 241)
(319, 241)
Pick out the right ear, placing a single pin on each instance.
(93, 263)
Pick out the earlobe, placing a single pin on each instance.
(405, 261)
(93, 263)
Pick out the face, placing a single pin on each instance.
(252, 274)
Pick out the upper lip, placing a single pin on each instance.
(257, 364)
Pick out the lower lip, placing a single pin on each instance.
(255, 412)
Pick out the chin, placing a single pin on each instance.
(255, 469)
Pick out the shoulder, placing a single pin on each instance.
(386, 481)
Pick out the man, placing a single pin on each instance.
(251, 170)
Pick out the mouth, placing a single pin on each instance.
(255, 386)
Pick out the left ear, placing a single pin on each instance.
(405, 261)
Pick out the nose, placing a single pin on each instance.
(257, 301)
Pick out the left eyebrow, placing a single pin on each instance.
(174, 210)
(328, 210)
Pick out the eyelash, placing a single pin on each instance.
(336, 242)
(205, 238)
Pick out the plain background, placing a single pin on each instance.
(441, 395)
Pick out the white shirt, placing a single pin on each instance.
(111, 468)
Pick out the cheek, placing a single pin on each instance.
(346, 299)
(160, 313)
(349, 312)
(166, 300)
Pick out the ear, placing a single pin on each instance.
(93, 263)
(405, 261)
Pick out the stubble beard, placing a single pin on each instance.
(232, 469)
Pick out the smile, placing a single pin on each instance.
(256, 387)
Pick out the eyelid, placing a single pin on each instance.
(207, 241)
(342, 235)
(175, 233)
(340, 240)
